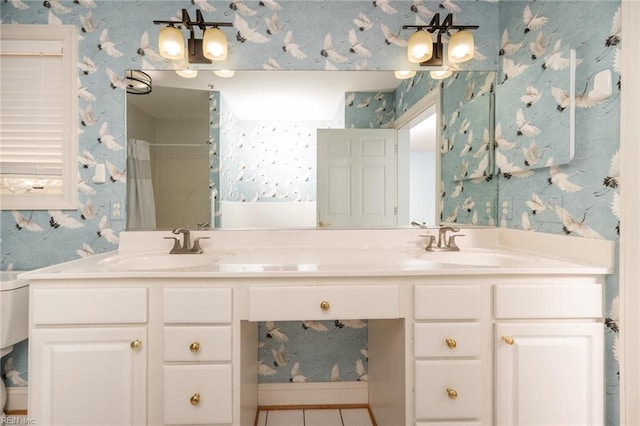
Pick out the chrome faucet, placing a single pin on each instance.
(186, 247)
(443, 244)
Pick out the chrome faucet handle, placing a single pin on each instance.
(196, 245)
(430, 241)
(176, 244)
(452, 242)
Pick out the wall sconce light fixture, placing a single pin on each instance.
(212, 47)
(421, 48)
(403, 75)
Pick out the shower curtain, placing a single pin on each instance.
(141, 210)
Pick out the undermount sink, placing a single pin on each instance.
(161, 261)
(476, 257)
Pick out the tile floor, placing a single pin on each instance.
(315, 417)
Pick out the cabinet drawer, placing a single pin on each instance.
(448, 390)
(323, 302)
(197, 343)
(447, 340)
(89, 305)
(447, 302)
(548, 301)
(197, 305)
(197, 394)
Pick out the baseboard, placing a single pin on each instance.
(16, 399)
(313, 393)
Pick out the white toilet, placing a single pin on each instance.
(14, 317)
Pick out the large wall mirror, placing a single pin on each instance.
(268, 149)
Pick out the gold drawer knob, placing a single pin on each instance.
(194, 347)
(195, 399)
(451, 343)
(451, 393)
(508, 340)
(136, 344)
(324, 305)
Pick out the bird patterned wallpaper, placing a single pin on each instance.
(526, 41)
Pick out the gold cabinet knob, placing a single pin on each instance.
(451, 393)
(324, 305)
(508, 340)
(136, 344)
(451, 343)
(195, 399)
(194, 347)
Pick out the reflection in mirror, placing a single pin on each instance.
(255, 160)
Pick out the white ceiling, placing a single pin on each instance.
(263, 95)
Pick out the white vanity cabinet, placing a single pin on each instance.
(549, 354)
(197, 352)
(88, 356)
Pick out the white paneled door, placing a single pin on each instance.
(356, 177)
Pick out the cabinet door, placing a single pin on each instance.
(90, 376)
(549, 374)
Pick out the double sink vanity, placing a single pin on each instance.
(508, 330)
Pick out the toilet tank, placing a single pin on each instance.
(14, 308)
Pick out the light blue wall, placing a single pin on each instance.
(584, 25)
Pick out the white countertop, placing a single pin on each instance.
(339, 253)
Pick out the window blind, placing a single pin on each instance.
(31, 115)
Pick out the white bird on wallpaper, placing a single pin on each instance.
(531, 21)
(468, 145)
(480, 173)
(274, 25)
(385, 6)
(265, 370)
(107, 139)
(356, 46)
(525, 128)
(511, 69)
(89, 4)
(329, 52)
(487, 86)
(274, 332)
(612, 180)
(454, 116)
(85, 251)
(508, 169)
(533, 153)
(56, 6)
(19, 4)
(615, 209)
(87, 66)
(361, 372)
(270, 4)
(58, 219)
(53, 19)
(204, 5)
(502, 143)
(464, 169)
(87, 211)
(108, 46)
(146, 50)
(85, 188)
(315, 325)
(507, 47)
(525, 223)
(449, 6)
(531, 96)
(539, 46)
(116, 81)
(241, 8)
(364, 102)
(464, 127)
(116, 174)
(280, 357)
(296, 374)
(453, 216)
(392, 38)
(556, 61)
(292, 48)
(421, 11)
(362, 22)
(468, 204)
(484, 145)
(13, 375)
(536, 205)
(335, 373)
(561, 180)
(105, 232)
(24, 223)
(87, 159)
(571, 225)
(354, 324)
(562, 98)
(84, 94)
(457, 190)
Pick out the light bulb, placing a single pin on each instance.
(420, 47)
(171, 43)
(461, 47)
(214, 44)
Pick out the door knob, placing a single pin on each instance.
(136, 344)
(194, 347)
(324, 305)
